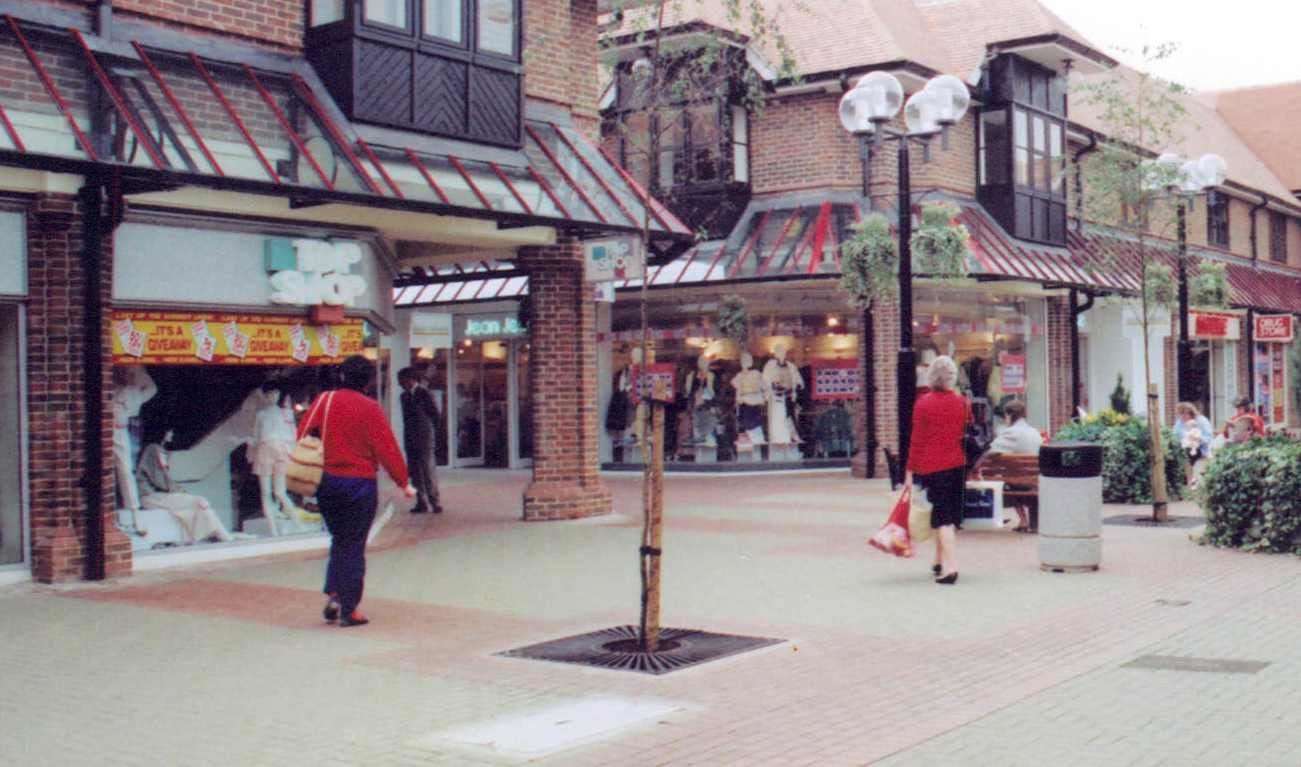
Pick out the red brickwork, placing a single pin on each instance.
(280, 22)
(1170, 359)
(562, 334)
(885, 318)
(57, 396)
(1059, 363)
(560, 55)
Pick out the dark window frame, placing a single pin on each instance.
(1278, 223)
(354, 24)
(1217, 221)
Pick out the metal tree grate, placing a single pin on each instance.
(617, 649)
(1177, 522)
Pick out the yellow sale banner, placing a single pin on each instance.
(192, 338)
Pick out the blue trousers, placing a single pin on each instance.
(348, 506)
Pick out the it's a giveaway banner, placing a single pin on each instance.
(184, 338)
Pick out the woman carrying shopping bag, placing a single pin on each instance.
(937, 462)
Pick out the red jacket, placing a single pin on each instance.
(358, 439)
(939, 422)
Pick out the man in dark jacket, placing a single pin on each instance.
(419, 414)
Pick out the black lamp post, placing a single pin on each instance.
(865, 111)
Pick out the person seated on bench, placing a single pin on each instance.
(1018, 437)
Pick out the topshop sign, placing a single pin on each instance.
(314, 272)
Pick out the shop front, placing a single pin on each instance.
(14, 543)
(1212, 383)
(1273, 335)
(212, 373)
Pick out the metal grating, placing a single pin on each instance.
(1203, 665)
(1129, 520)
(616, 649)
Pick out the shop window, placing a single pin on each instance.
(1217, 220)
(11, 475)
(447, 67)
(1022, 172)
(1278, 237)
(740, 144)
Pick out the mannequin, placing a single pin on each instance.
(273, 439)
(194, 513)
(751, 395)
(132, 388)
(637, 429)
(700, 396)
(784, 382)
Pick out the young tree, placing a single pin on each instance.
(1142, 116)
(677, 67)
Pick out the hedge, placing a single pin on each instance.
(1251, 494)
(1127, 456)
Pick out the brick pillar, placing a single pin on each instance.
(562, 333)
(57, 396)
(1170, 358)
(885, 351)
(1059, 363)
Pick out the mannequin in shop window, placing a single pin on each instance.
(784, 382)
(700, 394)
(751, 396)
(274, 433)
(132, 388)
(634, 432)
(192, 512)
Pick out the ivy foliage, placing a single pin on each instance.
(733, 319)
(939, 245)
(1251, 493)
(1127, 454)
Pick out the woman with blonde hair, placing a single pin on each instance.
(936, 461)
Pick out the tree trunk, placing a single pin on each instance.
(1160, 496)
(655, 532)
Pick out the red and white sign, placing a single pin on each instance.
(1274, 328)
(656, 382)
(1013, 381)
(835, 379)
(1215, 326)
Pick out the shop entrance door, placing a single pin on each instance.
(1199, 377)
(491, 408)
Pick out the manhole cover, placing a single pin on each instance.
(1129, 520)
(617, 649)
(1206, 665)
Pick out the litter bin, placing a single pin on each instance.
(1070, 507)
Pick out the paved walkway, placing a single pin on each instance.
(231, 665)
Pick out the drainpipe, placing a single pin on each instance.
(1264, 201)
(1076, 310)
(91, 198)
(1079, 184)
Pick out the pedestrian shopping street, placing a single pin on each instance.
(229, 663)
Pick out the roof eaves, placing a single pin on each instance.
(1056, 38)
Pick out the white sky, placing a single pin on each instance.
(1220, 45)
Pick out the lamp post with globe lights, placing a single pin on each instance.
(1185, 180)
(865, 112)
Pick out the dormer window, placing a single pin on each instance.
(448, 67)
(1022, 150)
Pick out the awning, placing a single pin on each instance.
(178, 119)
(994, 253)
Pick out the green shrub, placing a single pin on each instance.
(1251, 494)
(1127, 456)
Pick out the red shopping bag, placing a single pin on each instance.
(893, 537)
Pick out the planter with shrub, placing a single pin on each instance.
(1127, 456)
(1251, 494)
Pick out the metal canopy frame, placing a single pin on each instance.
(568, 155)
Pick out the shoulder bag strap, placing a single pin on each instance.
(325, 419)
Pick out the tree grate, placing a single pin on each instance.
(1204, 665)
(617, 649)
(1129, 520)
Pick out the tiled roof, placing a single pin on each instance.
(1267, 118)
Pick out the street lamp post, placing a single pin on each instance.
(1184, 181)
(864, 112)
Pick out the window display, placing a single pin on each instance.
(11, 429)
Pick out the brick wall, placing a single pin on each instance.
(560, 55)
(56, 393)
(279, 22)
(797, 143)
(562, 368)
(885, 319)
(1059, 363)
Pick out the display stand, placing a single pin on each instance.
(632, 453)
(751, 454)
(784, 453)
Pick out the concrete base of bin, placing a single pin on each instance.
(1069, 555)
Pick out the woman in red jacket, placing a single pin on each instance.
(357, 441)
(937, 463)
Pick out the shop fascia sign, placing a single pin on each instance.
(314, 272)
(1215, 326)
(611, 259)
(505, 325)
(1274, 328)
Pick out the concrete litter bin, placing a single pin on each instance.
(1070, 507)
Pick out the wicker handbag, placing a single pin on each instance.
(307, 459)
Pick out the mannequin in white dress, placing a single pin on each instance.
(751, 396)
(274, 434)
(132, 388)
(700, 393)
(784, 382)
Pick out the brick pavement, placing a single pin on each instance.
(230, 664)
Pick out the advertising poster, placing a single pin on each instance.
(1013, 373)
(189, 338)
(835, 380)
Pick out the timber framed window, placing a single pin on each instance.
(1278, 237)
(1217, 220)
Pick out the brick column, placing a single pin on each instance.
(57, 393)
(562, 371)
(885, 321)
(1059, 363)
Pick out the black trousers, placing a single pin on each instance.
(348, 506)
(424, 477)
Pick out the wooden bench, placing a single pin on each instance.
(1020, 477)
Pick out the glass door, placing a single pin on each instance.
(524, 410)
(468, 412)
(496, 404)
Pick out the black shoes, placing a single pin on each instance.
(355, 618)
(937, 570)
(419, 510)
(438, 509)
(331, 611)
(949, 579)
